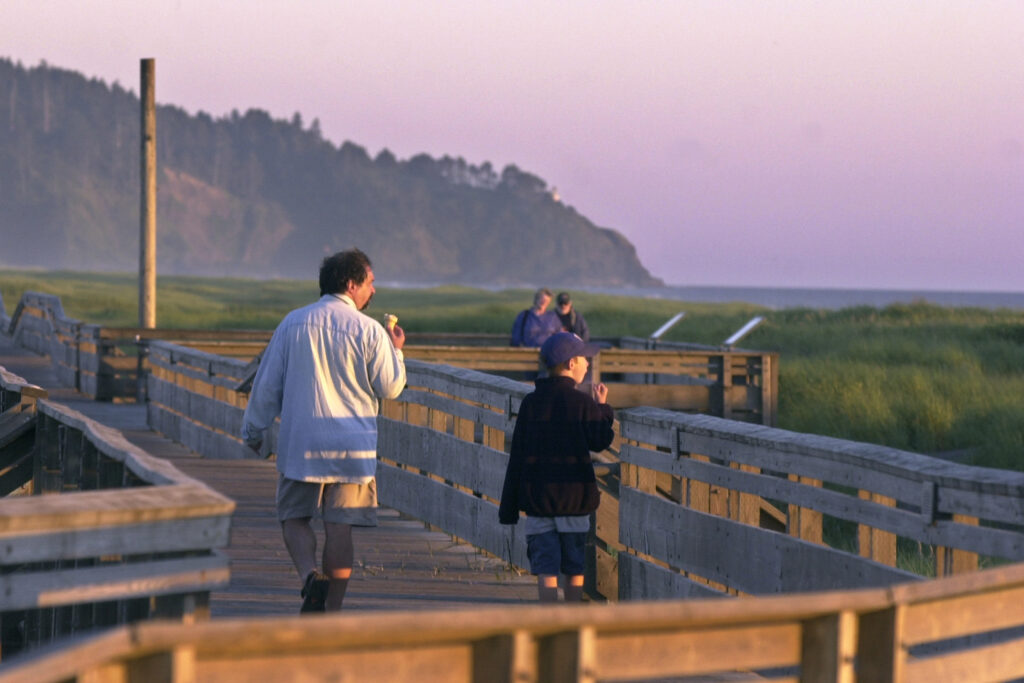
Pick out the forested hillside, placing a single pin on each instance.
(248, 195)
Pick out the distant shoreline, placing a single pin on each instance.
(800, 297)
(770, 297)
(775, 298)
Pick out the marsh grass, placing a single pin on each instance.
(915, 376)
(918, 377)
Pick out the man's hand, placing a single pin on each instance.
(600, 392)
(255, 445)
(397, 335)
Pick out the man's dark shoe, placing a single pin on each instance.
(314, 593)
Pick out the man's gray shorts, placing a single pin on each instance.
(337, 503)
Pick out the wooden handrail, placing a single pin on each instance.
(820, 637)
(122, 535)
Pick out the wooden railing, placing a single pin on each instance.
(740, 385)
(193, 399)
(966, 628)
(106, 363)
(833, 509)
(799, 505)
(443, 450)
(17, 430)
(110, 363)
(94, 531)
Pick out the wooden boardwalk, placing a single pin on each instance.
(400, 565)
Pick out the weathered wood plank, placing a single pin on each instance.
(956, 616)
(1003, 662)
(108, 508)
(438, 664)
(465, 516)
(748, 559)
(474, 466)
(670, 397)
(465, 411)
(886, 471)
(468, 384)
(699, 652)
(15, 383)
(873, 512)
(643, 580)
(476, 358)
(172, 535)
(27, 590)
(216, 414)
(14, 424)
(206, 367)
(828, 648)
(113, 444)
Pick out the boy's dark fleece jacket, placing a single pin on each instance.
(550, 473)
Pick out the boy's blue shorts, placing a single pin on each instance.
(552, 553)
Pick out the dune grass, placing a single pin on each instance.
(919, 377)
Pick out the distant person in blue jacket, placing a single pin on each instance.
(534, 325)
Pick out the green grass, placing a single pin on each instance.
(913, 376)
(919, 377)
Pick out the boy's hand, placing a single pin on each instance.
(600, 392)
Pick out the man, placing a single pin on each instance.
(533, 326)
(323, 372)
(571, 319)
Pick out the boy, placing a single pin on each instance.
(550, 475)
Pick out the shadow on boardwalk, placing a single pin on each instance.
(399, 565)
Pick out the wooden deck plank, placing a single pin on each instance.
(400, 565)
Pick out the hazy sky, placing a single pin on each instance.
(800, 143)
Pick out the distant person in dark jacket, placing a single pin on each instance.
(550, 475)
(571, 319)
(534, 325)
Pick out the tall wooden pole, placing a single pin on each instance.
(147, 212)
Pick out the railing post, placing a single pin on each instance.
(873, 543)
(507, 658)
(47, 471)
(950, 561)
(142, 351)
(827, 649)
(567, 656)
(881, 657)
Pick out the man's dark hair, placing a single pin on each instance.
(338, 270)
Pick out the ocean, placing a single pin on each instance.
(785, 297)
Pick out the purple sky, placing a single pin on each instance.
(822, 144)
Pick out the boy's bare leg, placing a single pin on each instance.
(547, 587)
(338, 554)
(300, 540)
(574, 588)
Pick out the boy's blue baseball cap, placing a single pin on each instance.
(565, 345)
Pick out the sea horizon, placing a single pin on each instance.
(775, 298)
(833, 298)
(823, 297)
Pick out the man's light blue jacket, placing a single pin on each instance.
(324, 371)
